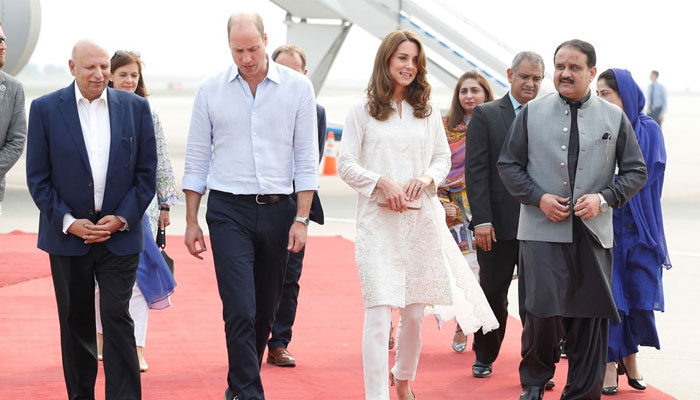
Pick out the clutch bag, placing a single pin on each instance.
(412, 205)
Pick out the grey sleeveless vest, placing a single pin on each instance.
(548, 126)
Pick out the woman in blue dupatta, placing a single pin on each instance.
(640, 254)
(154, 281)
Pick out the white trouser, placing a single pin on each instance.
(138, 308)
(375, 352)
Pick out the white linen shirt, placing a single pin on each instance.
(94, 122)
(245, 144)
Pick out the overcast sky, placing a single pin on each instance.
(175, 39)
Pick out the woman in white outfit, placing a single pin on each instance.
(149, 291)
(394, 149)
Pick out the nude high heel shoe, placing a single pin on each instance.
(143, 365)
(392, 380)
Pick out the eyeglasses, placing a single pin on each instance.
(122, 53)
(2, 39)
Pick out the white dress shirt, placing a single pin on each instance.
(94, 121)
(656, 97)
(245, 144)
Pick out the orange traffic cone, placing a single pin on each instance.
(329, 156)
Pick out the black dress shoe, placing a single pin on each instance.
(532, 393)
(481, 370)
(547, 386)
(228, 395)
(562, 353)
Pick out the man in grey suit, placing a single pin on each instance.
(13, 119)
(494, 212)
(559, 162)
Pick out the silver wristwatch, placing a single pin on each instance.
(303, 220)
(603, 204)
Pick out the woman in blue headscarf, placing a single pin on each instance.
(640, 254)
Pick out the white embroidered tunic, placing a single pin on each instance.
(409, 257)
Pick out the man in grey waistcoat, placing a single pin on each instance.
(13, 119)
(559, 162)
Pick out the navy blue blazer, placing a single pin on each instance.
(59, 175)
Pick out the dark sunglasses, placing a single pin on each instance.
(2, 39)
(122, 53)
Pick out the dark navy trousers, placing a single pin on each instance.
(74, 283)
(249, 245)
(287, 311)
(495, 277)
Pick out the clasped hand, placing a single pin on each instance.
(587, 206)
(95, 233)
(397, 197)
(558, 208)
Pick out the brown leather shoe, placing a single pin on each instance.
(280, 357)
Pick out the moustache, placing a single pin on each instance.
(566, 80)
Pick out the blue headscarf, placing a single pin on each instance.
(646, 205)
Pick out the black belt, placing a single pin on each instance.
(261, 198)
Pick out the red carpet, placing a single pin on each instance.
(185, 344)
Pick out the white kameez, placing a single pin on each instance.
(410, 257)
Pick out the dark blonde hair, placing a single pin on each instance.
(122, 58)
(381, 85)
(456, 113)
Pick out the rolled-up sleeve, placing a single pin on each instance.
(198, 151)
(306, 142)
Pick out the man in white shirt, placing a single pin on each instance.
(91, 161)
(252, 132)
(656, 98)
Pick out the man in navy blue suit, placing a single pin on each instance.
(91, 161)
(295, 58)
